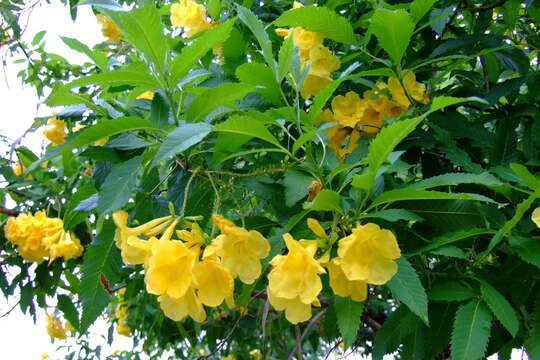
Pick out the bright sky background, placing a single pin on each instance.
(21, 339)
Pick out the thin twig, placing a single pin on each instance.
(9, 212)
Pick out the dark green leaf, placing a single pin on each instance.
(349, 318)
(470, 335)
(500, 307)
(119, 185)
(181, 139)
(450, 291)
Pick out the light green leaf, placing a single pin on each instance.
(441, 102)
(99, 59)
(245, 125)
(326, 200)
(410, 193)
(182, 138)
(105, 4)
(198, 48)
(500, 307)
(119, 185)
(101, 258)
(320, 19)
(527, 248)
(532, 181)
(296, 186)
(407, 288)
(394, 215)
(419, 8)
(210, 99)
(135, 74)
(471, 332)
(393, 29)
(262, 77)
(456, 179)
(257, 28)
(285, 56)
(214, 8)
(450, 291)
(160, 111)
(349, 318)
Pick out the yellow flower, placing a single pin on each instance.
(356, 289)
(214, 282)
(44, 356)
(316, 227)
(109, 29)
(410, 87)
(55, 131)
(294, 282)
(305, 39)
(322, 61)
(536, 216)
(178, 309)
(255, 354)
(147, 95)
(55, 328)
(63, 244)
(240, 250)
(190, 15)
(348, 109)
(368, 254)
(78, 127)
(18, 169)
(313, 84)
(69, 328)
(228, 357)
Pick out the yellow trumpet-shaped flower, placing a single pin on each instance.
(55, 131)
(410, 87)
(535, 217)
(342, 286)
(109, 29)
(64, 244)
(368, 254)
(294, 282)
(214, 282)
(55, 328)
(322, 62)
(190, 15)
(348, 109)
(240, 250)
(178, 309)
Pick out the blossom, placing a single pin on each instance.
(313, 84)
(55, 328)
(190, 15)
(240, 250)
(63, 244)
(368, 254)
(214, 282)
(348, 109)
(342, 286)
(109, 29)
(255, 354)
(322, 61)
(147, 95)
(178, 309)
(55, 131)
(410, 87)
(536, 216)
(294, 282)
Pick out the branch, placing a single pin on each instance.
(9, 212)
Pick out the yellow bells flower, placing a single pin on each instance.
(214, 282)
(69, 328)
(368, 254)
(44, 356)
(122, 328)
(313, 84)
(109, 29)
(178, 309)
(193, 237)
(147, 95)
(536, 216)
(190, 15)
(306, 40)
(322, 61)
(228, 357)
(316, 227)
(65, 245)
(240, 250)
(55, 328)
(55, 131)
(255, 354)
(348, 109)
(342, 286)
(294, 282)
(415, 89)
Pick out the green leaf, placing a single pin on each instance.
(210, 99)
(419, 8)
(470, 335)
(527, 248)
(135, 74)
(532, 181)
(320, 19)
(119, 185)
(394, 215)
(296, 186)
(99, 59)
(198, 48)
(182, 138)
(450, 291)
(407, 288)
(245, 125)
(410, 193)
(456, 179)
(261, 76)
(159, 111)
(441, 102)
(500, 307)
(349, 318)
(285, 56)
(65, 304)
(388, 337)
(105, 4)
(257, 28)
(393, 29)
(214, 8)
(451, 238)
(326, 200)
(385, 142)
(449, 251)
(101, 258)
(532, 344)
(72, 217)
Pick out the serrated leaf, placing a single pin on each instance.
(65, 304)
(441, 102)
(73, 215)
(320, 19)
(286, 52)
(532, 181)
(419, 8)
(456, 179)
(245, 125)
(99, 59)
(451, 238)
(471, 331)
(119, 185)
(393, 29)
(159, 111)
(296, 186)
(100, 258)
(326, 200)
(527, 248)
(221, 95)
(532, 344)
(394, 215)
(348, 314)
(407, 288)
(182, 138)
(449, 251)
(257, 28)
(450, 291)
(500, 307)
(388, 337)
(135, 74)
(262, 77)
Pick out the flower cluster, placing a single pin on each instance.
(56, 329)
(121, 315)
(38, 236)
(109, 29)
(314, 54)
(355, 114)
(180, 272)
(191, 16)
(55, 132)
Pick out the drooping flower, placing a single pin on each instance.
(410, 88)
(294, 282)
(214, 282)
(342, 286)
(121, 315)
(368, 254)
(109, 29)
(178, 309)
(536, 216)
(55, 131)
(240, 250)
(63, 244)
(55, 328)
(348, 109)
(190, 15)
